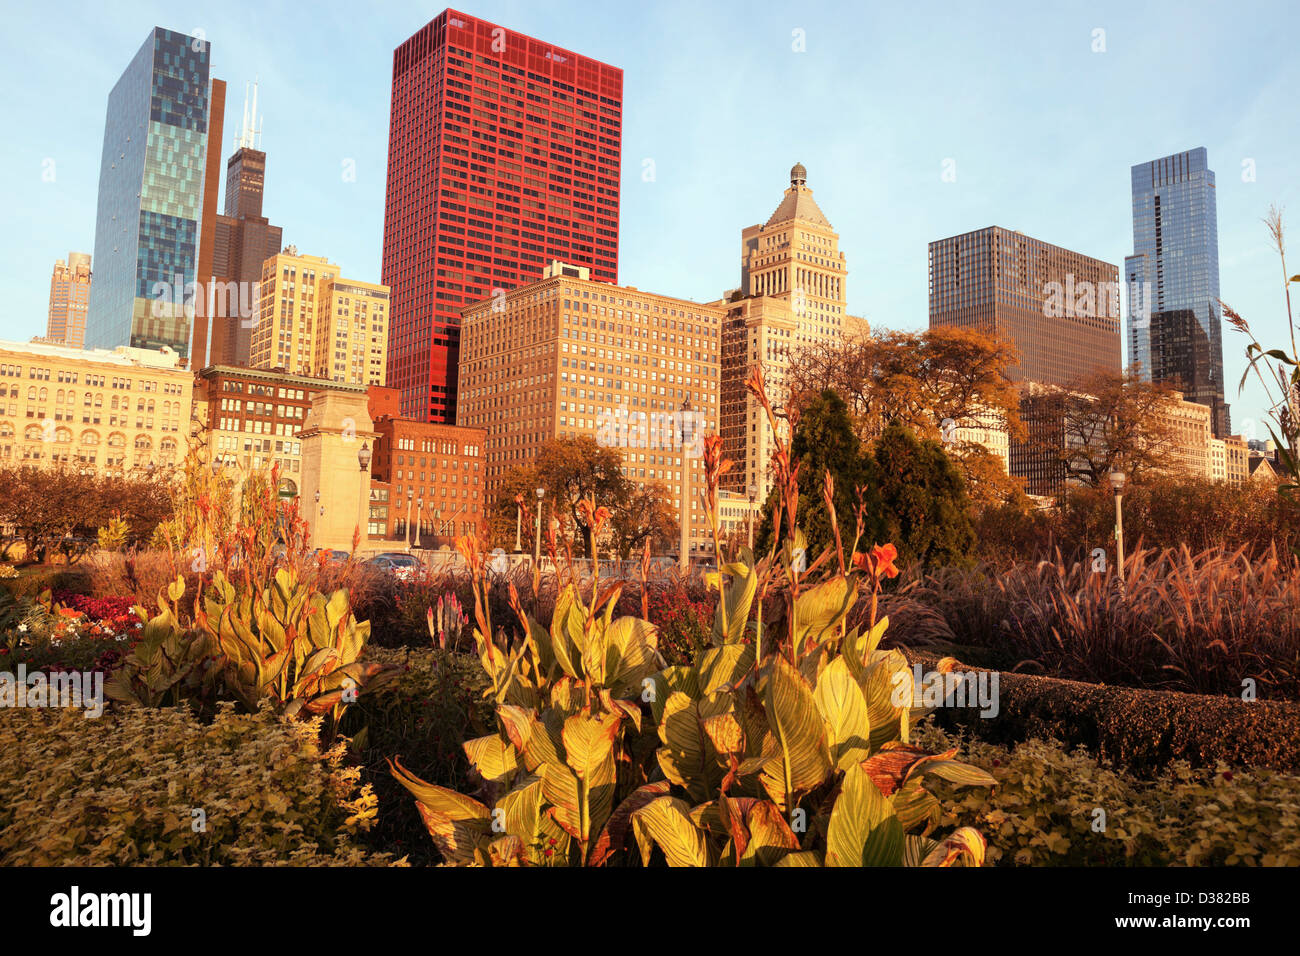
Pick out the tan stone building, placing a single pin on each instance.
(1192, 431)
(315, 323)
(253, 418)
(792, 294)
(69, 299)
(107, 411)
(567, 356)
(1229, 459)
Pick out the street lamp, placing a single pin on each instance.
(364, 455)
(1117, 482)
(322, 507)
(419, 522)
(410, 499)
(519, 523)
(537, 542)
(684, 546)
(753, 493)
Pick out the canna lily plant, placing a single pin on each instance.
(780, 745)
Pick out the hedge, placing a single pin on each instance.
(1140, 730)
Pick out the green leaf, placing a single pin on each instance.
(666, 821)
(588, 742)
(495, 759)
(819, 611)
(734, 611)
(863, 829)
(842, 706)
(800, 858)
(804, 759)
(724, 665)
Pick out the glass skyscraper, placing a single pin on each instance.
(1172, 279)
(151, 196)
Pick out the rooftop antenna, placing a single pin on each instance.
(250, 134)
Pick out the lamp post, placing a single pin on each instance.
(684, 546)
(1117, 482)
(753, 493)
(322, 507)
(537, 542)
(410, 499)
(419, 522)
(519, 524)
(364, 456)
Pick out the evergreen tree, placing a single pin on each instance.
(926, 510)
(823, 441)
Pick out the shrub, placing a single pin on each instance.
(121, 791)
(420, 718)
(1200, 623)
(1043, 811)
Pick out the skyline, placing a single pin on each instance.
(1020, 167)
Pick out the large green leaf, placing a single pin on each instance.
(731, 614)
(666, 821)
(842, 706)
(819, 611)
(804, 759)
(588, 741)
(494, 759)
(863, 829)
(688, 758)
(724, 666)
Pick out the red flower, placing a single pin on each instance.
(1227, 775)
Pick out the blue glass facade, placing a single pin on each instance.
(1175, 330)
(150, 196)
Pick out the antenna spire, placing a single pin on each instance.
(251, 132)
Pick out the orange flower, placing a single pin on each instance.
(882, 557)
(879, 563)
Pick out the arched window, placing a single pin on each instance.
(6, 430)
(113, 404)
(90, 438)
(31, 393)
(63, 436)
(167, 450)
(116, 440)
(143, 442)
(45, 394)
(33, 433)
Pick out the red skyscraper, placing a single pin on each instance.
(503, 155)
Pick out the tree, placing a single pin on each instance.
(1106, 422)
(572, 470)
(824, 441)
(47, 506)
(923, 497)
(647, 513)
(937, 383)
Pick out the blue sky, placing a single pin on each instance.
(1042, 129)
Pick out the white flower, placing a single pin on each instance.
(22, 628)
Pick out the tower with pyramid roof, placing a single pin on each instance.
(791, 296)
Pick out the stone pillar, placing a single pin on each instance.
(332, 435)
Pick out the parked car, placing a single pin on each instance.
(333, 555)
(405, 566)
